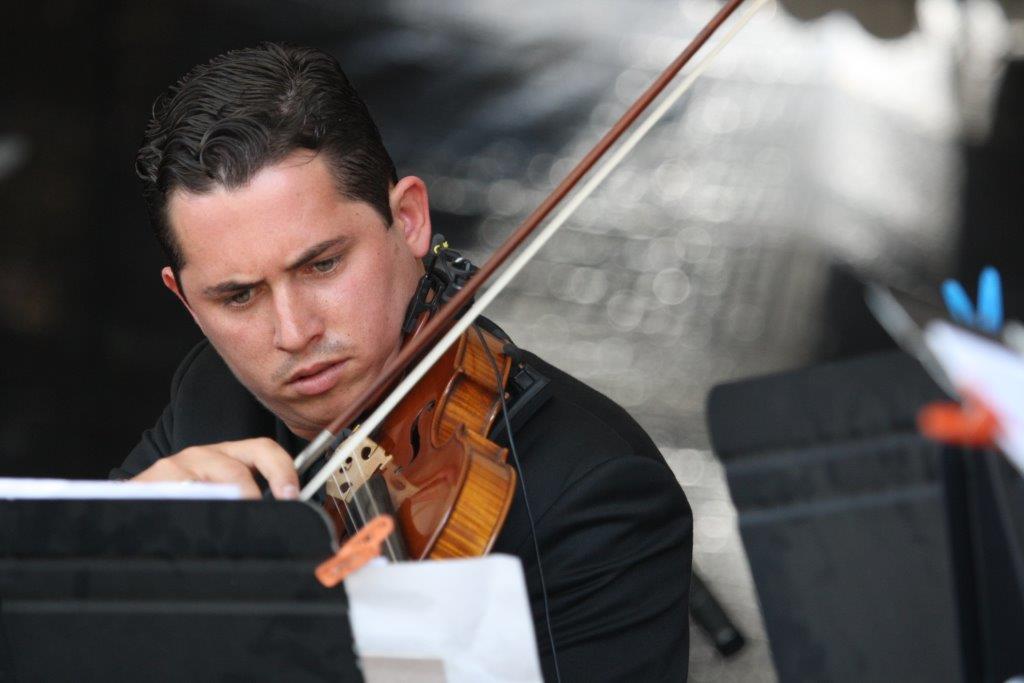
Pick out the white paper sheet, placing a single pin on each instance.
(473, 616)
(991, 372)
(18, 488)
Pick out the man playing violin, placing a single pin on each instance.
(296, 248)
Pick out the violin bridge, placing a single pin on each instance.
(356, 471)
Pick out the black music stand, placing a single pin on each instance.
(842, 514)
(109, 590)
(876, 553)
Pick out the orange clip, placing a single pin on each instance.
(355, 552)
(971, 424)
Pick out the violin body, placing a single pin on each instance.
(450, 487)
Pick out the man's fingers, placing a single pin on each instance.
(202, 464)
(231, 462)
(165, 469)
(221, 468)
(270, 460)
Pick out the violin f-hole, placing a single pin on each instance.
(414, 433)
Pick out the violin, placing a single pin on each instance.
(430, 463)
(421, 456)
(432, 468)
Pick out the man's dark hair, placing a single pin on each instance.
(226, 120)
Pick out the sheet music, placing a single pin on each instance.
(991, 372)
(459, 621)
(24, 488)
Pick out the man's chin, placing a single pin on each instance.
(304, 427)
(308, 417)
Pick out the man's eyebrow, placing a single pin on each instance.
(227, 287)
(315, 251)
(232, 286)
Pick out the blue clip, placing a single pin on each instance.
(989, 315)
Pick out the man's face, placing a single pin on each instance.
(300, 290)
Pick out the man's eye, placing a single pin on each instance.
(326, 266)
(241, 298)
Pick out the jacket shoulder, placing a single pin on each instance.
(577, 432)
(209, 405)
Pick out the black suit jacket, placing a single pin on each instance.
(613, 527)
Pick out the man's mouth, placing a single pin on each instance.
(317, 379)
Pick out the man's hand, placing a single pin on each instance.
(231, 462)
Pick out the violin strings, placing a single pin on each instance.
(347, 514)
(526, 499)
(527, 254)
(362, 518)
(373, 503)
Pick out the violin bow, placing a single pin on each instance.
(416, 347)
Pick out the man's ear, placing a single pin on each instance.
(171, 283)
(410, 209)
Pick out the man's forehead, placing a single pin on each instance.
(287, 207)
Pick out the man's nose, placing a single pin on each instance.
(298, 321)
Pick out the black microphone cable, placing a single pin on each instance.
(526, 499)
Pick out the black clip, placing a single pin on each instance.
(447, 272)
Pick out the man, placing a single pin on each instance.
(296, 249)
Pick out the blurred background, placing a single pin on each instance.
(827, 144)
